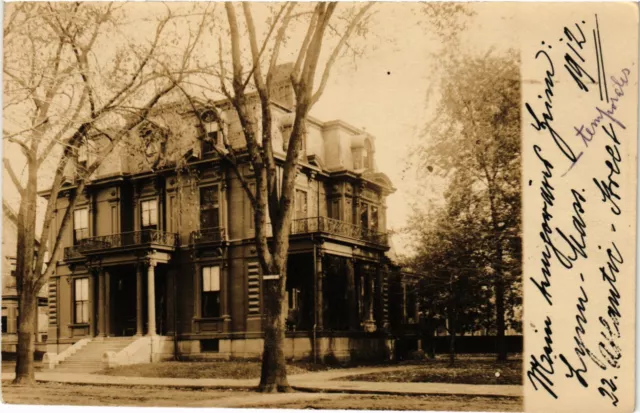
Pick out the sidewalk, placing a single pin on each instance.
(311, 382)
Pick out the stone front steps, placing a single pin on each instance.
(89, 358)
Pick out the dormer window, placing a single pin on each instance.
(367, 155)
(82, 155)
(154, 140)
(362, 152)
(212, 131)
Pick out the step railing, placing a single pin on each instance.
(139, 351)
(51, 360)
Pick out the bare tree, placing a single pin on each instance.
(74, 80)
(248, 77)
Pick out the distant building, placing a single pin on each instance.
(169, 252)
(10, 307)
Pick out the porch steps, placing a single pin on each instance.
(89, 358)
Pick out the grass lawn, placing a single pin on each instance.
(232, 369)
(465, 371)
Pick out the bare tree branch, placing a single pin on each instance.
(336, 51)
(14, 178)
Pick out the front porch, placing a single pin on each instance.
(118, 284)
(330, 293)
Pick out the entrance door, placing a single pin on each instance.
(123, 295)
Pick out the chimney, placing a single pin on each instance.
(281, 87)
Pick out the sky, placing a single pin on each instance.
(384, 91)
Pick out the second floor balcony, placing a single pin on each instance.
(207, 236)
(331, 226)
(323, 225)
(125, 240)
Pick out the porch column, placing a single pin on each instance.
(351, 285)
(139, 322)
(107, 303)
(92, 305)
(224, 296)
(319, 275)
(102, 326)
(369, 323)
(224, 196)
(151, 299)
(372, 292)
(379, 297)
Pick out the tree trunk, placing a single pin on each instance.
(500, 321)
(273, 377)
(26, 337)
(452, 335)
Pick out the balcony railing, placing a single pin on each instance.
(302, 226)
(207, 235)
(71, 253)
(337, 227)
(122, 240)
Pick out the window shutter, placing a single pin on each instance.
(253, 286)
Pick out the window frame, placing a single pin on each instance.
(211, 290)
(306, 204)
(212, 125)
(367, 155)
(83, 231)
(216, 206)
(82, 302)
(154, 217)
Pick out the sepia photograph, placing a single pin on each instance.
(263, 205)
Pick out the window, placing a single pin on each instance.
(301, 204)
(149, 213)
(80, 224)
(81, 300)
(300, 224)
(367, 155)
(373, 218)
(357, 159)
(82, 155)
(294, 298)
(211, 291)
(209, 207)
(4, 320)
(209, 143)
(210, 346)
(212, 133)
(364, 215)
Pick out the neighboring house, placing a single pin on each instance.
(10, 307)
(165, 251)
